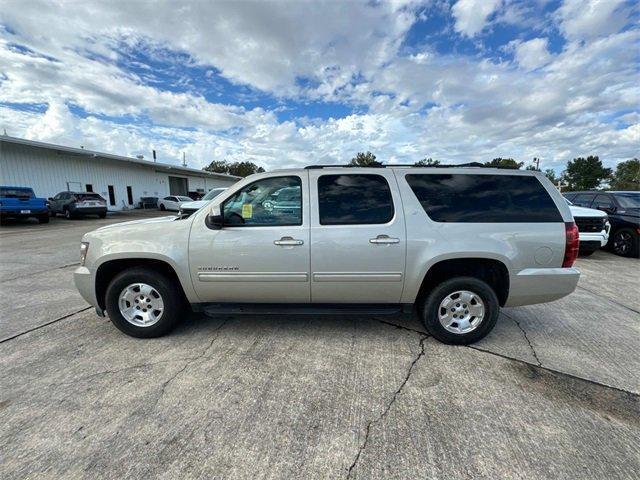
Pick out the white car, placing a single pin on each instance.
(593, 227)
(191, 207)
(173, 202)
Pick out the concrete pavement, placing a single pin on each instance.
(551, 393)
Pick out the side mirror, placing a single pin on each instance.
(50, 199)
(215, 220)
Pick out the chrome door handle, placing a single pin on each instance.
(288, 242)
(384, 239)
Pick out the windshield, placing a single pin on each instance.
(184, 199)
(213, 193)
(568, 201)
(16, 192)
(628, 200)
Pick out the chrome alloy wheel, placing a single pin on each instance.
(140, 305)
(461, 312)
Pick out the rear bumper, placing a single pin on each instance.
(88, 210)
(6, 213)
(541, 285)
(84, 280)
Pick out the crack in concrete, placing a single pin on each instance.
(45, 324)
(32, 274)
(189, 362)
(596, 294)
(526, 337)
(388, 407)
(402, 327)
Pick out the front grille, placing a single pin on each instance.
(590, 225)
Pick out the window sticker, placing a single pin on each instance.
(247, 210)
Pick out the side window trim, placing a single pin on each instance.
(300, 223)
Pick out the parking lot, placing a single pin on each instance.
(553, 392)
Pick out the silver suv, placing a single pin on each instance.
(455, 244)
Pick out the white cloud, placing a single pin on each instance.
(587, 19)
(550, 106)
(472, 15)
(531, 54)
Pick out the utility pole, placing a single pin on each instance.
(184, 160)
(536, 162)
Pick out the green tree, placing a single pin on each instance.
(627, 176)
(585, 173)
(427, 162)
(504, 163)
(244, 169)
(365, 160)
(218, 166)
(551, 175)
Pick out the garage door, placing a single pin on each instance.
(178, 186)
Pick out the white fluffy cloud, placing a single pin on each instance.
(581, 100)
(471, 15)
(531, 54)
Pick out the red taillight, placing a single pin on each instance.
(572, 244)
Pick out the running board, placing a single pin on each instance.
(300, 309)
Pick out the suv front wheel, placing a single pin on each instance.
(460, 311)
(143, 303)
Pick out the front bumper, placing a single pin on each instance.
(601, 237)
(541, 285)
(84, 279)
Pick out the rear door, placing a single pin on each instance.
(357, 237)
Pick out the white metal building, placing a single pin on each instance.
(50, 169)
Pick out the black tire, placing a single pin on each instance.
(174, 305)
(624, 242)
(102, 215)
(43, 218)
(162, 207)
(67, 214)
(430, 313)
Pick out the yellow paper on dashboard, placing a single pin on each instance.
(247, 210)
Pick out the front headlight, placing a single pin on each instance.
(84, 248)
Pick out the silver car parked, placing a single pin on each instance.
(453, 244)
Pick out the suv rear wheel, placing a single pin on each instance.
(460, 311)
(143, 303)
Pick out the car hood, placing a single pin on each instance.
(170, 218)
(194, 205)
(586, 212)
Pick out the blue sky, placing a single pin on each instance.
(295, 83)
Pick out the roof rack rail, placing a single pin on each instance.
(409, 165)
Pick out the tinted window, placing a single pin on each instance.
(602, 201)
(484, 198)
(354, 200)
(88, 196)
(16, 192)
(258, 204)
(583, 199)
(628, 200)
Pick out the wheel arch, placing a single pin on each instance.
(490, 270)
(107, 270)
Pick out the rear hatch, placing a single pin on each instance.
(20, 200)
(89, 200)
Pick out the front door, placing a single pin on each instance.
(358, 240)
(261, 255)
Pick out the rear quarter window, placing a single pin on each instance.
(469, 198)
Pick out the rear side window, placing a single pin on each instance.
(88, 196)
(16, 192)
(583, 199)
(354, 200)
(484, 198)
